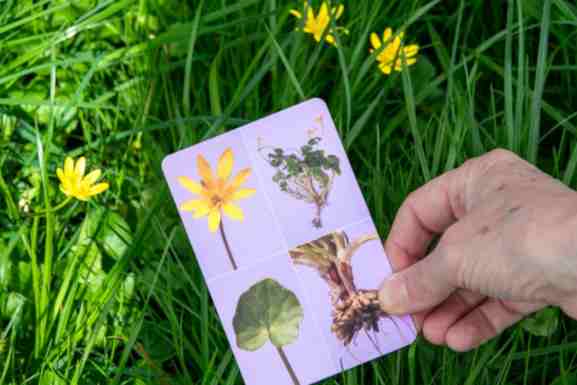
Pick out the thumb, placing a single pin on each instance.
(420, 287)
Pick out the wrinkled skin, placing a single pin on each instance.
(507, 248)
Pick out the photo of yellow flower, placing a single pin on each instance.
(73, 182)
(317, 24)
(216, 193)
(391, 55)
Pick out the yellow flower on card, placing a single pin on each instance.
(216, 193)
(75, 184)
(390, 55)
(317, 24)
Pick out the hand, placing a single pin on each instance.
(508, 248)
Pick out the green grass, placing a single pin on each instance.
(109, 291)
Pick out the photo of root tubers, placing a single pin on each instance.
(354, 310)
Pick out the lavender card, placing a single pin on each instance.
(286, 242)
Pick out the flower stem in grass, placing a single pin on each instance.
(54, 209)
(226, 246)
(288, 366)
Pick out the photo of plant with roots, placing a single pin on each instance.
(306, 173)
(267, 311)
(354, 310)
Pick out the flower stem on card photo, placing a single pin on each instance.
(227, 246)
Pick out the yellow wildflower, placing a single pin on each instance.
(392, 55)
(216, 193)
(74, 184)
(316, 25)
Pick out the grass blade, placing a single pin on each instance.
(540, 74)
(412, 114)
(188, 67)
(508, 83)
(289, 69)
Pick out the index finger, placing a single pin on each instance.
(426, 212)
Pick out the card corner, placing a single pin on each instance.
(164, 164)
(320, 101)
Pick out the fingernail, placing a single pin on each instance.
(393, 295)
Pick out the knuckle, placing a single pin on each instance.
(497, 158)
(451, 259)
(501, 155)
(493, 169)
(411, 198)
(456, 267)
(471, 162)
(450, 237)
(410, 203)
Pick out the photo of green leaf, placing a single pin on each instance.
(306, 173)
(268, 312)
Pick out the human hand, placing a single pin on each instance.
(508, 247)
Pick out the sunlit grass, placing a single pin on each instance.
(108, 290)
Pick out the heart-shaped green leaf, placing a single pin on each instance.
(267, 311)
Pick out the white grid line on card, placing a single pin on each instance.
(240, 269)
